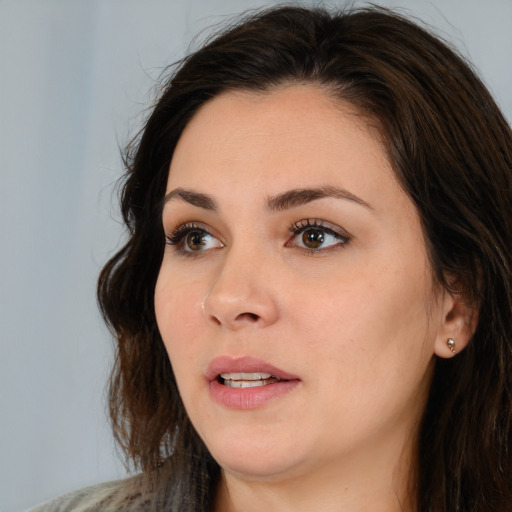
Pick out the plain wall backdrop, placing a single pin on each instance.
(76, 75)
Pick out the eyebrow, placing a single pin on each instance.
(286, 200)
(301, 196)
(194, 198)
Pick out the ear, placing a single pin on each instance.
(458, 323)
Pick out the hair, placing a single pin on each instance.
(451, 150)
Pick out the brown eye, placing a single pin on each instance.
(313, 238)
(190, 239)
(196, 240)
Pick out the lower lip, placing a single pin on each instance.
(249, 398)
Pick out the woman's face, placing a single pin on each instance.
(295, 298)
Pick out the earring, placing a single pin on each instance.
(451, 344)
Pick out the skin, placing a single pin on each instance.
(358, 319)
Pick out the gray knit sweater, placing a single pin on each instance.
(119, 496)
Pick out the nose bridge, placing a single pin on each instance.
(241, 294)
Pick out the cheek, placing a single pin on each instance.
(372, 318)
(178, 312)
(374, 350)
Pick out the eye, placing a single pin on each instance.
(315, 236)
(189, 238)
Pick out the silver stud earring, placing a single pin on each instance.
(451, 344)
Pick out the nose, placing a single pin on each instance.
(242, 295)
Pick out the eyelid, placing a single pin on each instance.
(176, 236)
(333, 230)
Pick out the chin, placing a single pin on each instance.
(266, 469)
(254, 457)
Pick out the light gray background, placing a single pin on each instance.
(75, 77)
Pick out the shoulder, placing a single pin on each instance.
(117, 496)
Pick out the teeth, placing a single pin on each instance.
(248, 383)
(247, 380)
(245, 376)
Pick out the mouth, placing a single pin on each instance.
(247, 383)
(242, 380)
(245, 372)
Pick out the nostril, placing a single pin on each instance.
(252, 317)
(215, 320)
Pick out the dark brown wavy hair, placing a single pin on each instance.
(451, 149)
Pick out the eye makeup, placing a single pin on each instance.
(191, 238)
(311, 235)
(314, 235)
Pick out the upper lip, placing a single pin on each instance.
(247, 364)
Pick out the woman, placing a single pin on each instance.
(313, 307)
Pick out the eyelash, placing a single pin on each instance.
(300, 227)
(178, 235)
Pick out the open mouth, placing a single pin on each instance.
(247, 380)
(243, 383)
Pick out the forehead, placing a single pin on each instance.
(290, 137)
